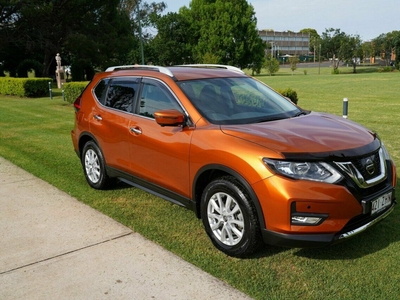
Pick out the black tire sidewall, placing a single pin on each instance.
(101, 184)
(250, 240)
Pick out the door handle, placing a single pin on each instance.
(136, 130)
(98, 117)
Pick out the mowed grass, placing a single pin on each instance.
(35, 134)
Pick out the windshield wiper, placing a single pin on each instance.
(270, 119)
(301, 113)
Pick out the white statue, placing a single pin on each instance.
(58, 61)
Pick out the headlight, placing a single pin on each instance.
(315, 171)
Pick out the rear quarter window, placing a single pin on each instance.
(118, 93)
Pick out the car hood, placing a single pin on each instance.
(312, 136)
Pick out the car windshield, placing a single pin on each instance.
(237, 100)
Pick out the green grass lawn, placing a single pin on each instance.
(35, 134)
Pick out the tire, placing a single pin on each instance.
(94, 166)
(229, 217)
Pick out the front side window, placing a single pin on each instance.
(241, 100)
(155, 97)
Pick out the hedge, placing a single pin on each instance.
(72, 90)
(289, 93)
(24, 87)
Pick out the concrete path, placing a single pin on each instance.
(55, 247)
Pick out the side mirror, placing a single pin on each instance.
(170, 117)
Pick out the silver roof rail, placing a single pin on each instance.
(232, 68)
(157, 68)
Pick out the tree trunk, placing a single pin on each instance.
(47, 61)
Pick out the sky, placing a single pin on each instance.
(366, 18)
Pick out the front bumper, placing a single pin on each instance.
(319, 240)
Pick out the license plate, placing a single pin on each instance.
(381, 203)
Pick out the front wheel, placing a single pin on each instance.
(94, 166)
(229, 217)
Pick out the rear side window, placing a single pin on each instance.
(117, 93)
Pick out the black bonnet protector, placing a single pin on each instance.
(340, 155)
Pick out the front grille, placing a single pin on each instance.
(369, 167)
(367, 171)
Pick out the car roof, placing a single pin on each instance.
(185, 72)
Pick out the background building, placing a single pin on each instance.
(286, 43)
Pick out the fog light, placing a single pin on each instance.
(299, 220)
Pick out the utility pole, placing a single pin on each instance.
(272, 49)
(319, 64)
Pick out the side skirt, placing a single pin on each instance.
(152, 188)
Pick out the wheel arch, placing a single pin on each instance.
(211, 172)
(83, 139)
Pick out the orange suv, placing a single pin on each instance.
(251, 164)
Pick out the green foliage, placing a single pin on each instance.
(385, 69)
(271, 64)
(73, 90)
(98, 31)
(335, 71)
(315, 39)
(293, 61)
(29, 65)
(387, 43)
(289, 93)
(24, 87)
(341, 47)
(210, 58)
(227, 29)
(81, 70)
(171, 45)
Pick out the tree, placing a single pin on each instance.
(315, 40)
(341, 47)
(171, 44)
(271, 64)
(143, 18)
(98, 33)
(227, 29)
(330, 43)
(386, 44)
(367, 50)
(259, 58)
(293, 61)
(397, 50)
(351, 50)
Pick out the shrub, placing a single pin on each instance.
(27, 65)
(271, 64)
(24, 87)
(335, 71)
(289, 93)
(385, 69)
(72, 90)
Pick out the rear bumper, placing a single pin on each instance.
(319, 240)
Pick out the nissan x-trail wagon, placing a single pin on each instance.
(251, 164)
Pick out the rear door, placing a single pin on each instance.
(111, 118)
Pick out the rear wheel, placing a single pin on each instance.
(94, 166)
(229, 217)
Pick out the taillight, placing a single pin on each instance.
(77, 103)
